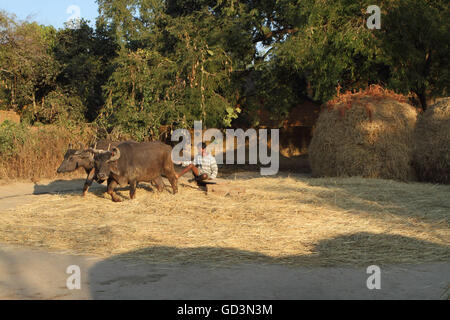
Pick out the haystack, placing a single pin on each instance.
(432, 143)
(367, 134)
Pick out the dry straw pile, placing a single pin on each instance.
(367, 134)
(432, 143)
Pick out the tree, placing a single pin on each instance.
(176, 79)
(415, 39)
(186, 60)
(85, 55)
(153, 63)
(27, 68)
(335, 48)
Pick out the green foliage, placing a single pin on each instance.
(51, 76)
(415, 40)
(335, 48)
(57, 107)
(153, 65)
(85, 56)
(176, 79)
(189, 62)
(12, 135)
(27, 68)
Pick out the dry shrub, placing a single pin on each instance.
(9, 115)
(432, 143)
(374, 91)
(368, 134)
(40, 151)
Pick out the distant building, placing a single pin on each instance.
(296, 129)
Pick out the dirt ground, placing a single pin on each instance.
(189, 265)
(30, 274)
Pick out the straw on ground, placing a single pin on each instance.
(293, 220)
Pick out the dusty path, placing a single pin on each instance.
(29, 274)
(18, 193)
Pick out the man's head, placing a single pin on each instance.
(201, 148)
(105, 162)
(76, 158)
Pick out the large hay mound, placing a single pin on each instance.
(432, 143)
(367, 134)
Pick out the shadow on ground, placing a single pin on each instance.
(293, 164)
(356, 249)
(75, 187)
(222, 273)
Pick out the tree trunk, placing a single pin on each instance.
(34, 102)
(423, 99)
(13, 93)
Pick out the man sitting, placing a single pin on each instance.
(204, 166)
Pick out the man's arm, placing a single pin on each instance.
(214, 168)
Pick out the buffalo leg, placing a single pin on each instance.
(170, 174)
(159, 184)
(173, 182)
(112, 184)
(88, 182)
(133, 189)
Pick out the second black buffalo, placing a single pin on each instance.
(131, 163)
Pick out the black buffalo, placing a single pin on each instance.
(130, 163)
(84, 158)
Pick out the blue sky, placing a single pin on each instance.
(50, 12)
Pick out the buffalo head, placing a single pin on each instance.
(105, 162)
(76, 158)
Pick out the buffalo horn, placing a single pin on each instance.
(115, 155)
